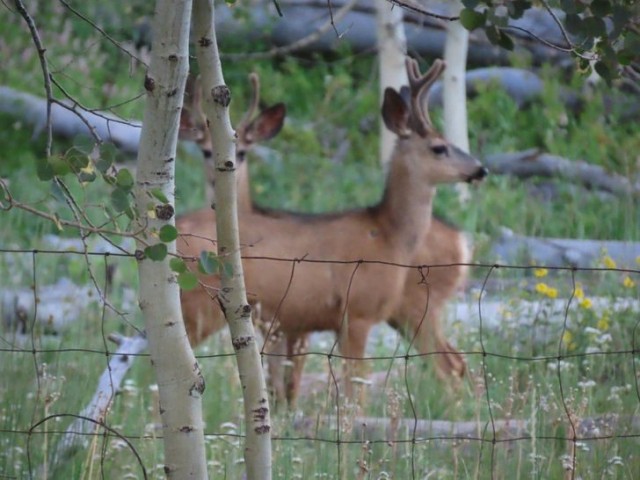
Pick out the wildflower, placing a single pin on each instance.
(567, 340)
(542, 272)
(628, 282)
(609, 262)
(604, 322)
(579, 292)
(586, 303)
(587, 384)
(546, 290)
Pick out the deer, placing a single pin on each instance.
(418, 318)
(323, 294)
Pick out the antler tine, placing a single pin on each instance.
(254, 79)
(420, 85)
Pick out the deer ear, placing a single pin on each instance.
(267, 124)
(395, 113)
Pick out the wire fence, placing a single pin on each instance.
(551, 386)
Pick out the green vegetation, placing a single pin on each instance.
(330, 102)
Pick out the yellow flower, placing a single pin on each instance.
(628, 282)
(604, 322)
(586, 303)
(567, 340)
(579, 292)
(609, 262)
(542, 272)
(546, 290)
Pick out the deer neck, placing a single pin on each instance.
(244, 186)
(405, 210)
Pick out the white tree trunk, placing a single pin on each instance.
(455, 93)
(237, 310)
(392, 49)
(180, 382)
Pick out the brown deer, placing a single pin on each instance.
(322, 295)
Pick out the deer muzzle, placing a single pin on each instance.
(478, 175)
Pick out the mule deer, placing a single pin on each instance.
(323, 294)
(201, 314)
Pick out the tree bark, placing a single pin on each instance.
(392, 49)
(180, 382)
(233, 297)
(455, 92)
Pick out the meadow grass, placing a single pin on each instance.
(565, 367)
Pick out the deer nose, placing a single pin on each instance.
(478, 174)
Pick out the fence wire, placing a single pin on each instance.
(551, 388)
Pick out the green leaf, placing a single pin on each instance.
(518, 7)
(44, 170)
(59, 166)
(84, 143)
(177, 265)
(106, 158)
(119, 200)
(594, 26)
(124, 179)
(604, 71)
(156, 252)
(573, 24)
(209, 263)
(77, 159)
(470, 19)
(187, 280)
(571, 7)
(168, 233)
(159, 195)
(600, 8)
(87, 176)
(505, 40)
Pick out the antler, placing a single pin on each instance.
(420, 85)
(253, 106)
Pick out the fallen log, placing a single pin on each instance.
(80, 433)
(71, 120)
(425, 34)
(533, 163)
(513, 249)
(448, 432)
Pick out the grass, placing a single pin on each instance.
(514, 372)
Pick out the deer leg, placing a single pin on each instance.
(296, 350)
(352, 346)
(424, 329)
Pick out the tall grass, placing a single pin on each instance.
(562, 363)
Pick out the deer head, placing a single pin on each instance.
(406, 114)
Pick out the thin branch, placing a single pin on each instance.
(412, 7)
(102, 32)
(45, 69)
(305, 41)
(558, 22)
(9, 203)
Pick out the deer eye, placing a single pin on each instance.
(439, 149)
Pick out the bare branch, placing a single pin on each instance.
(305, 41)
(412, 7)
(102, 32)
(43, 64)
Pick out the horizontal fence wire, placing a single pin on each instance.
(541, 395)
